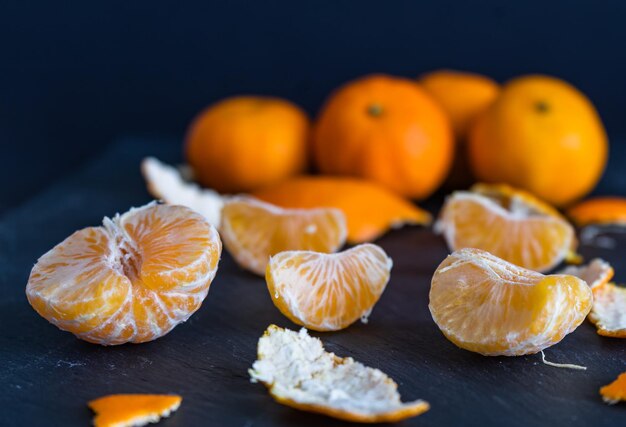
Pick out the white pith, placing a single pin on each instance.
(166, 183)
(295, 367)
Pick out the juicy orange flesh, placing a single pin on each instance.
(499, 308)
(254, 231)
(615, 391)
(130, 409)
(523, 232)
(134, 279)
(327, 292)
(370, 210)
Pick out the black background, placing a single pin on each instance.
(74, 75)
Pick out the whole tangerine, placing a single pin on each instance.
(386, 129)
(247, 142)
(543, 135)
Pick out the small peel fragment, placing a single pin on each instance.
(298, 372)
(609, 310)
(616, 391)
(132, 410)
(561, 365)
(166, 183)
(595, 273)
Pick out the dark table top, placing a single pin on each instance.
(47, 375)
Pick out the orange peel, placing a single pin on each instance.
(599, 210)
(597, 272)
(130, 410)
(609, 310)
(299, 373)
(370, 209)
(616, 391)
(166, 183)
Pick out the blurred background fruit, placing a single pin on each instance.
(543, 135)
(387, 129)
(244, 143)
(463, 96)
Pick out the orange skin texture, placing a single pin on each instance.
(130, 409)
(616, 391)
(386, 129)
(370, 209)
(542, 135)
(462, 95)
(247, 142)
(599, 210)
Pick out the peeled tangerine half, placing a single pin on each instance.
(509, 223)
(487, 305)
(131, 280)
(129, 410)
(299, 373)
(253, 231)
(328, 292)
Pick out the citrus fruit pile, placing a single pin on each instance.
(536, 143)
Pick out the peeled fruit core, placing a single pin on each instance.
(328, 292)
(131, 280)
(509, 223)
(130, 410)
(299, 373)
(487, 305)
(253, 231)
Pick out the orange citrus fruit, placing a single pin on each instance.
(370, 209)
(246, 142)
(462, 95)
(298, 372)
(253, 231)
(386, 129)
(616, 391)
(131, 280)
(543, 135)
(509, 223)
(128, 410)
(599, 210)
(328, 292)
(487, 305)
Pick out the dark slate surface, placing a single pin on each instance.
(47, 375)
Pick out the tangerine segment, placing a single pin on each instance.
(609, 310)
(253, 231)
(596, 273)
(508, 223)
(165, 183)
(487, 305)
(370, 210)
(599, 210)
(615, 391)
(131, 280)
(298, 372)
(129, 410)
(328, 292)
